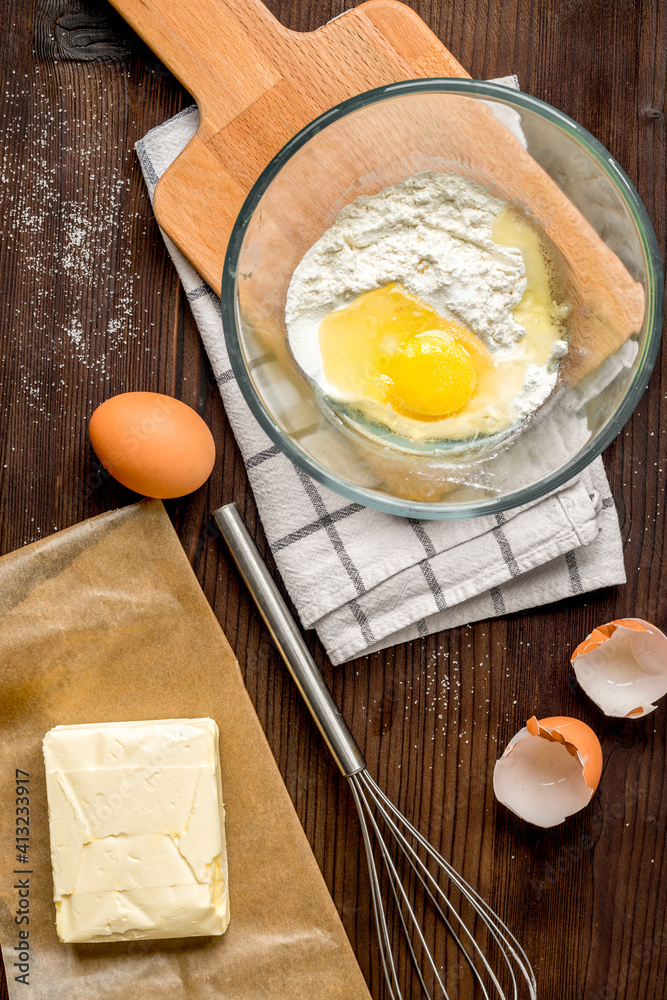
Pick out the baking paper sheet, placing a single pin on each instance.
(102, 622)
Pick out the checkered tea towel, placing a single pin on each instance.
(364, 579)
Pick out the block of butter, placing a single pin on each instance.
(137, 830)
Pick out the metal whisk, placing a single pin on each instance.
(410, 865)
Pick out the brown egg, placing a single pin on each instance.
(153, 444)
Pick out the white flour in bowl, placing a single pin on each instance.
(432, 234)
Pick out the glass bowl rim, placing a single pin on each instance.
(654, 303)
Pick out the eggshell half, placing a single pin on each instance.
(622, 667)
(549, 770)
(152, 443)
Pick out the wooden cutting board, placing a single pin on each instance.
(257, 84)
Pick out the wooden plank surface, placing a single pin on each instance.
(91, 306)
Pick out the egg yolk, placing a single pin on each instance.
(389, 347)
(432, 376)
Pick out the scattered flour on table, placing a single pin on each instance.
(73, 235)
(64, 223)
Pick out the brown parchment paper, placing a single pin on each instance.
(105, 621)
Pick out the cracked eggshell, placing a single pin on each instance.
(549, 770)
(622, 667)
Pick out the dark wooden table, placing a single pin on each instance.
(92, 306)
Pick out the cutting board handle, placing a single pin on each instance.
(213, 47)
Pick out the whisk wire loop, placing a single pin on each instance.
(373, 801)
(384, 942)
(507, 942)
(415, 866)
(401, 898)
(419, 867)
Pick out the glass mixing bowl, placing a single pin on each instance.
(521, 149)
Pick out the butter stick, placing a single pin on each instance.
(137, 830)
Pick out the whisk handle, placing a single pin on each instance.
(289, 641)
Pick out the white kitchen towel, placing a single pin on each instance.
(364, 579)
